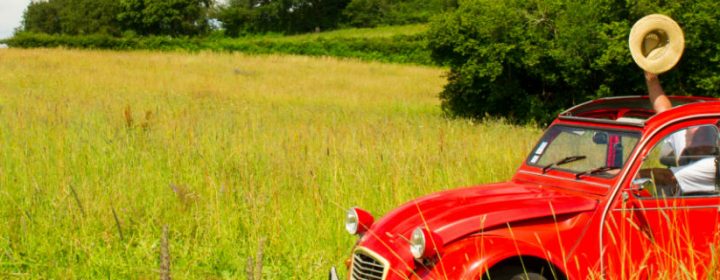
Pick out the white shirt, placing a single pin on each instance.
(698, 176)
(675, 143)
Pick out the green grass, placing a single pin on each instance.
(377, 32)
(224, 149)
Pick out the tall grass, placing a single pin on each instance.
(678, 241)
(103, 150)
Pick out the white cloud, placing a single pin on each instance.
(11, 12)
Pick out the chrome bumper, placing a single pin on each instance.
(333, 274)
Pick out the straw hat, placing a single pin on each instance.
(656, 43)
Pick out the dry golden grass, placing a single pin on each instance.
(100, 150)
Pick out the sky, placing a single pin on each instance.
(11, 12)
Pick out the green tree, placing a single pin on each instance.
(367, 13)
(370, 13)
(165, 17)
(74, 17)
(528, 60)
(237, 17)
(41, 17)
(286, 16)
(310, 15)
(82, 17)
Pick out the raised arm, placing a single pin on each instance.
(658, 99)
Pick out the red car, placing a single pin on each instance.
(612, 190)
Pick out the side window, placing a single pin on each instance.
(685, 163)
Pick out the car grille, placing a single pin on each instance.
(366, 268)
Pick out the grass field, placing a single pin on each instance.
(101, 150)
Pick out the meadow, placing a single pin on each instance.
(239, 157)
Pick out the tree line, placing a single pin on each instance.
(233, 17)
(527, 60)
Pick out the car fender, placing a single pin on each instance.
(471, 257)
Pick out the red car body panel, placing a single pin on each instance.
(592, 226)
(458, 213)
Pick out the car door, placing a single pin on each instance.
(665, 222)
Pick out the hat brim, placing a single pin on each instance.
(666, 58)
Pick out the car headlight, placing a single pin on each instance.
(358, 221)
(417, 243)
(424, 243)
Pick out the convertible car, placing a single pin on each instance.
(599, 196)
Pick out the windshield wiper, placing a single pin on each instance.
(565, 160)
(595, 171)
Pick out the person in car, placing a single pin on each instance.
(692, 149)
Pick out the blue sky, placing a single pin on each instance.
(11, 12)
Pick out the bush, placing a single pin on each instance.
(528, 60)
(395, 49)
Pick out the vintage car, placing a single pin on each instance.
(599, 196)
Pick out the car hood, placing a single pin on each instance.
(456, 213)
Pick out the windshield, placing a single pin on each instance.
(583, 150)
